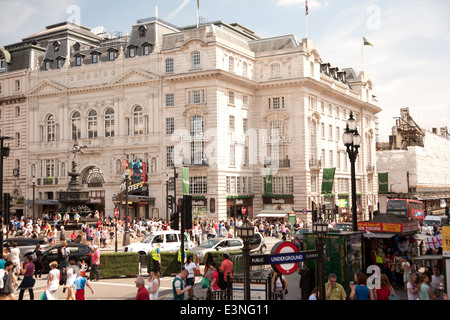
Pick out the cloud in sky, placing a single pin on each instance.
(172, 14)
(20, 18)
(408, 62)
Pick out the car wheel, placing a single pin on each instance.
(263, 249)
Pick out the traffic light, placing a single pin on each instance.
(187, 212)
(175, 221)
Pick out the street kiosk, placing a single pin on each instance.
(343, 255)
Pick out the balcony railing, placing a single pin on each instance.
(194, 161)
(315, 164)
(370, 168)
(281, 163)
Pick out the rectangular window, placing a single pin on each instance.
(47, 65)
(289, 185)
(312, 103)
(169, 65)
(196, 96)
(17, 113)
(94, 58)
(17, 136)
(17, 86)
(330, 132)
(170, 100)
(59, 63)
(78, 61)
(232, 155)
(231, 97)
(245, 101)
(170, 125)
(132, 52)
(170, 156)
(276, 103)
(277, 185)
(111, 56)
(231, 123)
(198, 185)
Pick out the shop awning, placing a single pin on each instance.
(273, 213)
(379, 235)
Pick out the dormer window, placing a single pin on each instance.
(111, 55)
(47, 64)
(95, 56)
(76, 47)
(78, 59)
(131, 51)
(60, 62)
(146, 49)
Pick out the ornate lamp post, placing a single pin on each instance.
(126, 237)
(33, 181)
(320, 228)
(352, 140)
(246, 232)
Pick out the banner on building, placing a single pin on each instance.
(383, 186)
(185, 180)
(137, 176)
(268, 183)
(327, 180)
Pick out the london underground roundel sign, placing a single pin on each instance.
(280, 255)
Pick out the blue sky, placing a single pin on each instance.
(409, 63)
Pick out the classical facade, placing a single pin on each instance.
(238, 110)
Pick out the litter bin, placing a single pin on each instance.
(307, 282)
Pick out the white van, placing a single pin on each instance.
(168, 241)
(430, 219)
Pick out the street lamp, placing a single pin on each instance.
(246, 231)
(126, 238)
(352, 140)
(320, 228)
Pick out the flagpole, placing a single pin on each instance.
(306, 19)
(198, 4)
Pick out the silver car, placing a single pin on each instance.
(257, 244)
(26, 245)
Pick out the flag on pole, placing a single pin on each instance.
(306, 8)
(367, 43)
(198, 4)
(185, 180)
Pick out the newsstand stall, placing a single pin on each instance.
(387, 234)
(343, 255)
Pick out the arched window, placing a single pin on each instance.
(92, 124)
(195, 60)
(197, 143)
(231, 64)
(50, 127)
(138, 121)
(109, 123)
(76, 126)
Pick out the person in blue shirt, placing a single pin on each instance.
(360, 291)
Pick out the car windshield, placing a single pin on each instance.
(148, 239)
(209, 244)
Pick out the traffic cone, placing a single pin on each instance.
(197, 269)
(83, 269)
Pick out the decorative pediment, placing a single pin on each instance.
(133, 76)
(47, 87)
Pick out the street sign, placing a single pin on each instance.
(284, 257)
(305, 211)
(281, 248)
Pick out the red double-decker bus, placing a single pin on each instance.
(406, 208)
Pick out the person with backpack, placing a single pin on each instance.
(280, 284)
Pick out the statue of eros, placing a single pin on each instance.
(76, 149)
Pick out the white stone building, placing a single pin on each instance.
(217, 99)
